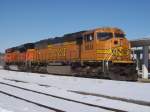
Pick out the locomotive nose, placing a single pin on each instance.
(118, 42)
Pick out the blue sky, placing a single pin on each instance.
(24, 21)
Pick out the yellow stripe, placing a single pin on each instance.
(31, 49)
(68, 43)
(104, 51)
(100, 59)
(119, 61)
(65, 43)
(49, 45)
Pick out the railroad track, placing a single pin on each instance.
(11, 94)
(114, 98)
(24, 85)
(38, 104)
(56, 97)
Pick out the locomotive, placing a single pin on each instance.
(102, 52)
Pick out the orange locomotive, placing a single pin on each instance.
(101, 52)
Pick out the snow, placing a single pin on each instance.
(49, 101)
(16, 105)
(63, 85)
(4, 110)
(1, 67)
(81, 98)
(127, 90)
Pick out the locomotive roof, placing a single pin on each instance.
(20, 48)
(76, 33)
(108, 29)
(65, 38)
(73, 36)
(9, 50)
(24, 47)
(41, 43)
(55, 40)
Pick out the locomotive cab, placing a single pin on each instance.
(112, 45)
(114, 51)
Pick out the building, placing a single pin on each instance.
(1, 59)
(141, 49)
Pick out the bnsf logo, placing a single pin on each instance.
(61, 52)
(120, 51)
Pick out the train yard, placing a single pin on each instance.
(70, 94)
(87, 71)
(74, 56)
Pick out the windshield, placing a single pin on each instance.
(119, 35)
(104, 35)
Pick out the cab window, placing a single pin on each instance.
(104, 35)
(89, 37)
(119, 35)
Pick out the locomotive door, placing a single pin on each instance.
(79, 43)
(88, 47)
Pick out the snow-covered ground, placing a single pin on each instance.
(16, 105)
(129, 90)
(1, 67)
(4, 110)
(63, 86)
(50, 101)
(100, 101)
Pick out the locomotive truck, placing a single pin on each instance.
(102, 52)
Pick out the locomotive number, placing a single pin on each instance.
(120, 52)
(61, 52)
